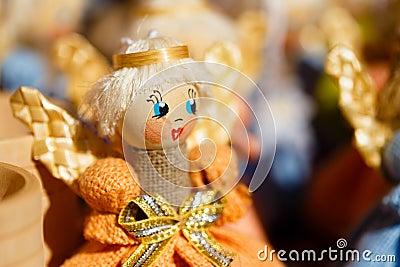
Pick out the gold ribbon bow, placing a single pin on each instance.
(154, 222)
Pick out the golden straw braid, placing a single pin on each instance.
(81, 63)
(61, 143)
(359, 103)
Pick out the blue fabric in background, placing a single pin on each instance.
(23, 66)
(391, 159)
(380, 231)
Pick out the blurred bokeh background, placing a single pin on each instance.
(319, 188)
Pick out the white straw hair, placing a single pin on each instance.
(104, 106)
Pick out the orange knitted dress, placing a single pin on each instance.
(107, 186)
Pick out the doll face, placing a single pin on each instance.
(156, 120)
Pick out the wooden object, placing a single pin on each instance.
(21, 235)
(62, 211)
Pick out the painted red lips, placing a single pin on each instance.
(176, 133)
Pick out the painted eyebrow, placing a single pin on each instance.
(157, 99)
(192, 93)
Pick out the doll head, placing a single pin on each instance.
(159, 108)
(161, 118)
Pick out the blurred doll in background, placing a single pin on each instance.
(31, 27)
(380, 230)
(372, 109)
(277, 199)
(335, 206)
(199, 23)
(212, 35)
(298, 40)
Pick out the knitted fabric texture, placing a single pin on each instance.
(160, 171)
(107, 186)
(104, 228)
(96, 254)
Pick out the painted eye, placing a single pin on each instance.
(160, 109)
(191, 106)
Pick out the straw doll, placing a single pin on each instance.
(158, 120)
(130, 226)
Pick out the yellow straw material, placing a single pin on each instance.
(150, 57)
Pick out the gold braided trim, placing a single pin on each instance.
(150, 57)
(358, 102)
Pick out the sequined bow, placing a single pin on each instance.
(154, 222)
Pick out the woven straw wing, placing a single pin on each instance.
(61, 143)
(358, 102)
